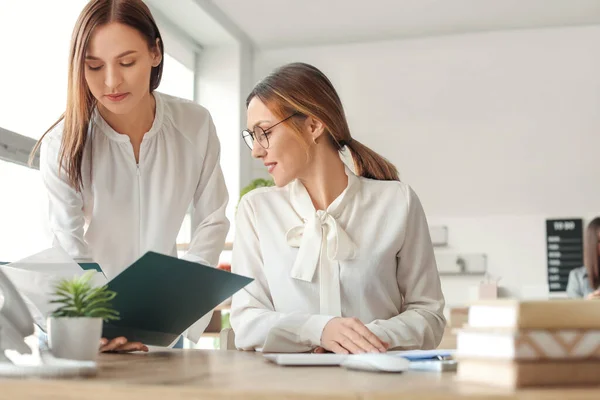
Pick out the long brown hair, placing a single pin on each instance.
(591, 256)
(302, 88)
(80, 101)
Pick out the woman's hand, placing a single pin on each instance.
(224, 267)
(121, 345)
(594, 295)
(350, 336)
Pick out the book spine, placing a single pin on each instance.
(559, 316)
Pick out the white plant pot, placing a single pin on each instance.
(75, 338)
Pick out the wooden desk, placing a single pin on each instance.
(191, 374)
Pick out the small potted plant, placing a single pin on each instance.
(75, 327)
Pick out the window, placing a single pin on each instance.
(33, 73)
(33, 79)
(178, 80)
(35, 54)
(22, 230)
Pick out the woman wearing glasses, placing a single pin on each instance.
(124, 163)
(341, 262)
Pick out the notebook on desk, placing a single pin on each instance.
(159, 297)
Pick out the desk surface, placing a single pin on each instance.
(188, 374)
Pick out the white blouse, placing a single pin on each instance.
(369, 255)
(126, 208)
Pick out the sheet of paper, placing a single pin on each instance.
(423, 354)
(35, 277)
(54, 259)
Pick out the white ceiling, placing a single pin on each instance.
(284, 23)
(193, 18)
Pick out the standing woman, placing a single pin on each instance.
(340, 262)
(123, 163)
(584, 282)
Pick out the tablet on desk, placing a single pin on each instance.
(306, 359)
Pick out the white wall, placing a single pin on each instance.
(218, 86)
(495, 132)
(246, 84)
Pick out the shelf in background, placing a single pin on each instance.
(461, 273)
(459, 263)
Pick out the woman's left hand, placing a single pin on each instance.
(121, 345)
(224, 267)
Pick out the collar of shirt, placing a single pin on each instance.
(114, 135)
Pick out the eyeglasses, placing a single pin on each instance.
(261, 135)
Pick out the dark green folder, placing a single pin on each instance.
(159, 297)
(90, 266)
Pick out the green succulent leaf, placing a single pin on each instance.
(78, 298)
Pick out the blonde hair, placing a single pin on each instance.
(80, 101)
(303, 89)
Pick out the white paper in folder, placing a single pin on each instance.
(35, 276)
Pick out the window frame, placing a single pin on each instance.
(16, 148)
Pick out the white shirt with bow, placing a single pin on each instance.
(369, 255)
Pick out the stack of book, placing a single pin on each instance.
(531, 343)
(457, 318)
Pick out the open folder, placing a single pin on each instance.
(159, 297)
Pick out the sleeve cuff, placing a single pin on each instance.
(380, 333)
(312, 329)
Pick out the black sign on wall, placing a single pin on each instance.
(564, 244)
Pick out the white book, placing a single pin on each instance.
(528, 345)
(537, 314)
(511, 374)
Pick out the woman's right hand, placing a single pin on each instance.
(350, 336)
(121, 345)
(594, 295)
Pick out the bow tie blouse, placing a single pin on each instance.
(368, 255)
